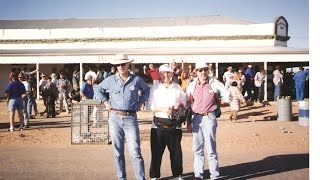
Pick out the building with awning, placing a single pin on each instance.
(218, 40)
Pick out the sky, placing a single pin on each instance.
(260, 11)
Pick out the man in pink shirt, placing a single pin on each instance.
(203, 96)
(153, 72)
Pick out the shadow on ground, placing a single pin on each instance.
(267, 166)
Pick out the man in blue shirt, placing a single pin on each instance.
(15, 92)
(299, 79)
(249, 75)
(119, 93)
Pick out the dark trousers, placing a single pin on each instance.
(159, 140)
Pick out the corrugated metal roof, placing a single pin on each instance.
(123, 22)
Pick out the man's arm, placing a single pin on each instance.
(145, 91)
(101, 92)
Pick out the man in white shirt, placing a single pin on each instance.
(277, 80)
(163, 98)
(26, 84)
(227, 77)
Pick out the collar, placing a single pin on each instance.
(118, 78)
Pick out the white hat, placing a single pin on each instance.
(120, 59)
(89, 77)
(165, 68)
(200, 65)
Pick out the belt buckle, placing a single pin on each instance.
(204, 114)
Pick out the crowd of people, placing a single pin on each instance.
(123, 93)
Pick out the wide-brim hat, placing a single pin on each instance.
(120, 59)
(165, 68)
(200, 65)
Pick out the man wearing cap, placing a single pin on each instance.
(63, 85)
(119, 93)
(160, 136)
(42, 85)
(203, 97)
(15, 91)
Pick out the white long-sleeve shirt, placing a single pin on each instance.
(163, 97)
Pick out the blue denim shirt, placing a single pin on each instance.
(123, 96)
(15, 89)
(300, 76)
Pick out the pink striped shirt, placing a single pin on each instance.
(203, 98)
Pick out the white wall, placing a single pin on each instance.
(174, 31)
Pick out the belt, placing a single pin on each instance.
(203, 114)
(123, 112)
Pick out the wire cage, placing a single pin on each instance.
(89, 123)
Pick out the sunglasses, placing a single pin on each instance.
(205, 70)
(123, 64)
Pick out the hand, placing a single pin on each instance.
(222, 102)
(169, 112)
(176, 106)
(106, 104)
(144, 67)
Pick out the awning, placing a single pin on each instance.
(145, 59)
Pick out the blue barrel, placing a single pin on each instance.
(304, 113)
(284, 108)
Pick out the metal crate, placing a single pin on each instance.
(89, 123)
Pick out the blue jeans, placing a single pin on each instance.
(299, 85)
(25, 111)
(204, 134)
(277, 91)
(126, 128)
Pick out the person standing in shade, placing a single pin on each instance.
(63, 85)
(119, 93)
(228, 76)
(249, 83)
(259, 81)
(25, 98)
(153, 72)
(277, 81)
(299, 79)
(162, 137)
(203, 96)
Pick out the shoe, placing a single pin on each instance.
(11, 129)
(25, 127)
(178, 178)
